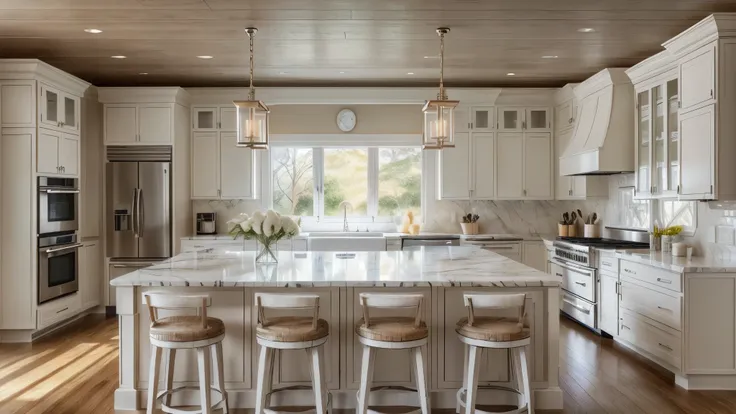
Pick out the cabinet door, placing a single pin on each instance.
(509, 165)
(564, 117)
(563, 184)
(50, 106)
(643, 143)
(537, 165)
(90, 275)
(697, 77)
(482, 118)
(70, 113)
(697, 138)
(236, 169)
(18, 104)
(658, 140)
(228, 119)
(609, 304)
(155, 124)
(484, 171)
(510, 119)
(205, 165)
(535, 255)
(537, 119)
(69, 154)
(454, 171)
(462, 119)
(204, 119)
(48, 151)
(121, 124)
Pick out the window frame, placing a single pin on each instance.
(318, 143)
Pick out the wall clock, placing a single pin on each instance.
(346, 120)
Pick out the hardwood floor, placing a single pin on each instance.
(75, 371)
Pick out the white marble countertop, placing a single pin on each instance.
(389, 235)
(696, 264)
(426, 266)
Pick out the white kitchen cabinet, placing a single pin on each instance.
(565, 115)
(220, 170)
(58, 110)
(534, 254)
(90, 274)
(697, 153)
(139, 124)
(454, 169)
(18, 104)
(510, 119)
(205, 165)
(698, 77)
(462, 119)
(510, 166)
(483, 177)
(236, 169)
(482, 118)
(214, 118)
(537, 165)
(537, 119)
(608, 303)
(58, 153)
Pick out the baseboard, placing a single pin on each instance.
(30, 335)
(706, 382)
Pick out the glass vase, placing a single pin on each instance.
(266, 252)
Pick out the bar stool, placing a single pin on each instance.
(274, 334)
(171, 333)
(392, 332)
(480, 333)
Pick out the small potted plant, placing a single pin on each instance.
(267, 229)
(470, 223)
(669, 235)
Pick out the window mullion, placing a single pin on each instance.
(372, 182)
(318, 171)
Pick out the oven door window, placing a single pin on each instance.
(60, 207)
(62, 268)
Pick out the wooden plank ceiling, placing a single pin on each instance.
(343, 42)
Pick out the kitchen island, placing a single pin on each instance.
(441, 274)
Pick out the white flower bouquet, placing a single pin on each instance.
(267, 229)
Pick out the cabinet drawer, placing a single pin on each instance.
(58, 310)
(652, 304)
(665, 345)
(608, 263)
(577, 283)
(649, 274)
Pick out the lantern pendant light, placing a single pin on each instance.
(439, 114)
(252, 115)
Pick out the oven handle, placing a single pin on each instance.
(50, 191)
(585, 311)
(569, 266)
(59, 249)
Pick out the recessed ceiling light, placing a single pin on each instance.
(143, 73)
(95, 31)
(432, 57)
(511, 74)
(409, 73)
(550, 57)
(341, 72)
(118, 57)
(586, 30)
(204, 57)
(283, 73)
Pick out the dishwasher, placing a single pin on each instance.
(409, 242)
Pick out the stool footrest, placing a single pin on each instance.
(172, 410)
(268, 410)
(462, 393)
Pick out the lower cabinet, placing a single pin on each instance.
(90, 274)
(608, 303)
(534, 254)
(659, 341)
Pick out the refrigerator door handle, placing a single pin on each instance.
(135, 212)
(141, 213)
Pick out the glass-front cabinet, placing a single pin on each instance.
(657, 152)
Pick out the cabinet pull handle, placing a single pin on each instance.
(630, 271)
(616, 285)
(581, 284)
(65, 309)
(606, 263)
(711, 93)
(659, 307)
(665, 346)
(625, 327)
(558, 274)
(660, 280)
(678, 188)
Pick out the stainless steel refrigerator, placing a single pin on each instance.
(139, 210)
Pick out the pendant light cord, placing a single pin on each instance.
(442, 96)
(252, 92)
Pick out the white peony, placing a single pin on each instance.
(257, 222)
(289, 225)
(272, 223)
(246, 225)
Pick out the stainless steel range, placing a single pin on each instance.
(576, 261)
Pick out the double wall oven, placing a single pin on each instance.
(58, 249)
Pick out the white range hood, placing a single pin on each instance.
(603, 141)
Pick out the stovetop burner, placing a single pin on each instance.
(604, 243)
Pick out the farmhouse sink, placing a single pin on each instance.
(347, 244)
(343, 234)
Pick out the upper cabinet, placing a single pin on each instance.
(214, 118)
(58, 110)
(454, 169)
(57, 153)
(482, 118)
(18, 103)
(698, 77)
(139, 124)
(510, 119)
(537, 119)
(220, 170)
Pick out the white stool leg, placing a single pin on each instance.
(421, 379)
(458, 407)
(366, 377)
(204, 362)
(153, 378)
(474, 356)
(525, 378)
(169, 360)
(268, 386)
(316, 357)
(264, 358)
(218, 371)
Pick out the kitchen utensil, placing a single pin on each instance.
(574, 217)
(580, 214)
(594, 218)
(566, 218)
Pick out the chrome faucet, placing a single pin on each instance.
(345, 205)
